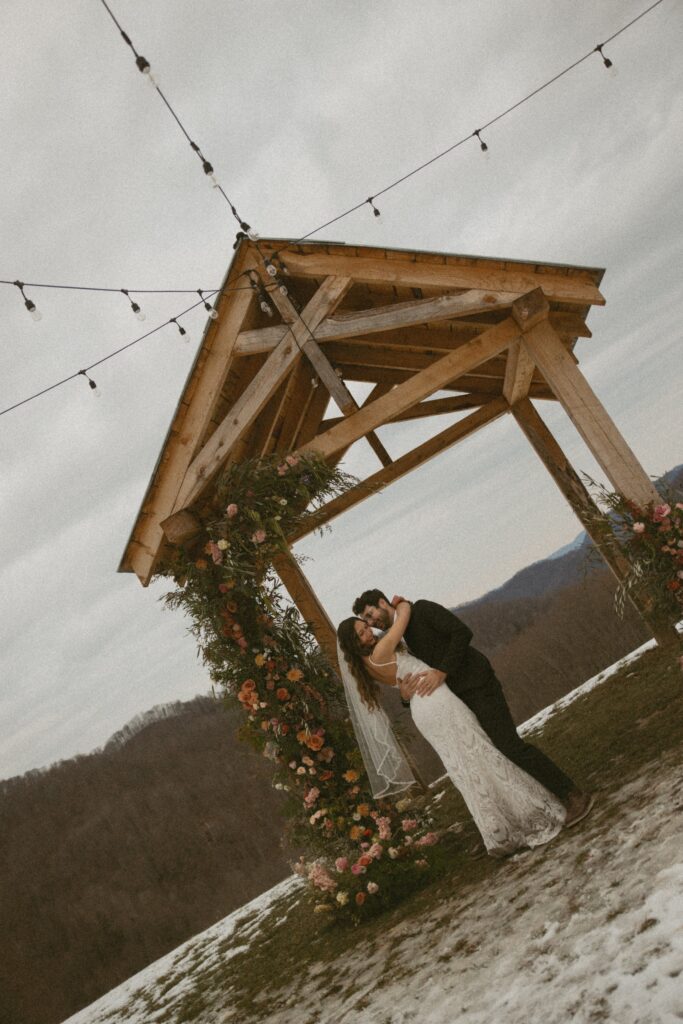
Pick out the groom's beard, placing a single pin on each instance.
(384, 619)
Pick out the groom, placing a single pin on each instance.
(442, 640)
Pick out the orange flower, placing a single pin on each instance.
(260, 660)
(363, 810)
(265, 725)
(294, 675)
(201, 563)
(282, 693)
(315, 742)
(302, 736)
(248, 684)
(355, 832)
(351, 775)
(365, 860)
(284, 728)
(360, 898)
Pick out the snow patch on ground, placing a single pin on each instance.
(586, 929)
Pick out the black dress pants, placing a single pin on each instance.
(488, 703)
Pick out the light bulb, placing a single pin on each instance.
(270, 268)
(283, 289)
(35, 313)
(140, 315)
(213, 313)
(253, 235)
(265, 306)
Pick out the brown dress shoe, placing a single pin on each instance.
(578, 805)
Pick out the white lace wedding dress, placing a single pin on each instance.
(510, 808)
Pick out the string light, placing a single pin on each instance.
(261, 294)
(134, 306)
(91, 383)
(271, 269)
(207, 305)
(110, 355)
(482, 145)
(605, 60)
(181, 329)
(29, 303)
(143, 66)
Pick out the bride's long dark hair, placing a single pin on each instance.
(353, 653)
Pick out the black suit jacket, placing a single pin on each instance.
(442, 640)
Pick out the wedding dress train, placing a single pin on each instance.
(509, 807)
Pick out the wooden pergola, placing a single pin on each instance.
(485, 336)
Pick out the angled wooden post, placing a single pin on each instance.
(588, 414)
(571, 486)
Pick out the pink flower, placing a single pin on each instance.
(372, 888)
(375, 851)
(384, 827)
(639, 527)
(341, 863)
(242, 643)
(232, 510)
(311, 796)
(282, 469)
(292, 460)
(428, 839)
(660, 512)
(215, 552)
(408, 824)
(319, 877)
(357, 869)
(258, 536)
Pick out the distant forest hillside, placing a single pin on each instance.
(107, 861)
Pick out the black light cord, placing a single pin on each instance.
(104, 359)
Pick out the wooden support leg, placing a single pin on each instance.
(569, 482)
(306, 600)
(588, 414)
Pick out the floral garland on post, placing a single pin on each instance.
(651, 538)
(363, 854)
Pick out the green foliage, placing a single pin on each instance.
(651, 538)
(263, 656)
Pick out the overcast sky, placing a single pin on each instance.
(304, 109)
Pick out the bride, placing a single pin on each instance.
(509, 807)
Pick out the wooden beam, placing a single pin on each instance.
(512, 281)
(433, 407)
(519, 372)
(212, 457)
(379, 318)
(573, 489)
(420, 386)
(296, 407)
(306, 600)
(588, 415)
(211, 375)
(313, 415)
(324, 369)
(378, 481)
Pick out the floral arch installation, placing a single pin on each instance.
(250, 465)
